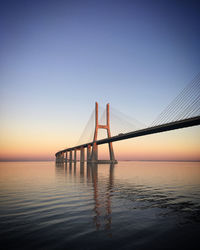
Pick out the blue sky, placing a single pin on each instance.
(58, 57)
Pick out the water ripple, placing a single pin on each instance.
(128, 206)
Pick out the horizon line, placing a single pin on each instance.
(152, 160)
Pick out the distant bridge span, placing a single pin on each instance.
(182, 112)
(194, 121)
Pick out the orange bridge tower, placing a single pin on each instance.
(93, 156)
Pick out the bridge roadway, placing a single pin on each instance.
(146, 131)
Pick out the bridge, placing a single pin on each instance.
(183, 112)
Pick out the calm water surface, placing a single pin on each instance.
(132, 205)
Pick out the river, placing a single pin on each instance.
(131, 205)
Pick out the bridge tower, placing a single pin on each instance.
(94, 154)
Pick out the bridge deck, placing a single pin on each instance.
(146, 131)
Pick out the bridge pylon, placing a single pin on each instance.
(93, 157)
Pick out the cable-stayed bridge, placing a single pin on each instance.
(182, 112)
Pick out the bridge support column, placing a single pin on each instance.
(59, 158)
(66, 157)
(112, 156)
(75, 155)
(94, 156)
(70, 155)
(82, 158)
(62, 158)
(88, 152)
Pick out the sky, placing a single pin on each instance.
(58, 57)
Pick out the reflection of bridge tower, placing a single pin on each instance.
(102, 189)
(94, 155)
(102, 200)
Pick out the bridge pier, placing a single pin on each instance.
(88, 152)
(94, 155)
(66, 156)
(75, 155)
(70, 155)
(82, 156)
(57, 158)
(60, 158)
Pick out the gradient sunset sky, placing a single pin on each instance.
(58, 57)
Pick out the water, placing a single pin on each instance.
(132, 205)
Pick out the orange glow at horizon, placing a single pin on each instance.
(183, 144)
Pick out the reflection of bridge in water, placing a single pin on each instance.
(183, 112)
(92, 174)
(138, 195)
(101, 193)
